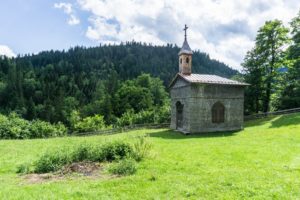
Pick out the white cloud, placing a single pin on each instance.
(6, 51)
(224, 29)
(73, 20)
(68, 9)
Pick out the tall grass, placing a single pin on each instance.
(55, 160)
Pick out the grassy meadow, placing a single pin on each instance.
(260, 162)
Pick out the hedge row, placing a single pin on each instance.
(14, 127)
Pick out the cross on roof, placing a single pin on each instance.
(185, 28)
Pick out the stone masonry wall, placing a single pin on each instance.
(198, 100)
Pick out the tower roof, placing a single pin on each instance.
(185, 49)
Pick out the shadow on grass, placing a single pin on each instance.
(171, 134)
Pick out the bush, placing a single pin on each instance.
(115, 150)
(50, 162)
(92, 123)
(53, 161)
(106, 152)
(123, 167)
(41, 129)
(84, 152)
(155, 115)
(14, 127)
(162, 114)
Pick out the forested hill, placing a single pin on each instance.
(106, 80)
(128, 60)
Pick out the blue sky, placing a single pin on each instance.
(224, 29)
(34, 25)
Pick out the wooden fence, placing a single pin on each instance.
(166, 125)
(263, 115)
(123, 129)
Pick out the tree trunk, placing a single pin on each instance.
(268, 97)
(270, 76)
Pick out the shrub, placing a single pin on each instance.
(155, 115)
(14, 127)
(50, 162)
(53, 161)
(123, 167)
(141, 148)
(92, 123)
(84, 152)
(106, 152)
(115, 150)
(126, 119)
(144, 117)
(41, 129)
(162, 114)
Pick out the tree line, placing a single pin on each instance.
(272, 68)
(87, 85)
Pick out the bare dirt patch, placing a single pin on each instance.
(75, 170)
(84, 168)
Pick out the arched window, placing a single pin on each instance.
(180, 60)
(218, 113)
(187, 59)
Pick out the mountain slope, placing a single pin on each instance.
(50, 85)
(129, 60)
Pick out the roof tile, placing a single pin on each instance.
(213, 79)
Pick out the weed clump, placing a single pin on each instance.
(24, 169)
(141, 148)
(115, 151)
(54, 161)
(124, 153)
(123, 167)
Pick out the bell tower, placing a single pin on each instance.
(185, 56)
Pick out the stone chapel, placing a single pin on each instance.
(202, 102)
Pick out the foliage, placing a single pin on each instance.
(115, 150)
(84, 152)
(41, 129)
(24, 168)
(155, 115)
(123, 167)
(104, 80)
(98, 153)
(141, 148)
(14, 127)
(52, 161)
(92, 123)
(290, 96)
(55, 160)
(262, 66)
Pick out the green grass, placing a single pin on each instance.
(260, 162)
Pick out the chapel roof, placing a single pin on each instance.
(207, 79)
